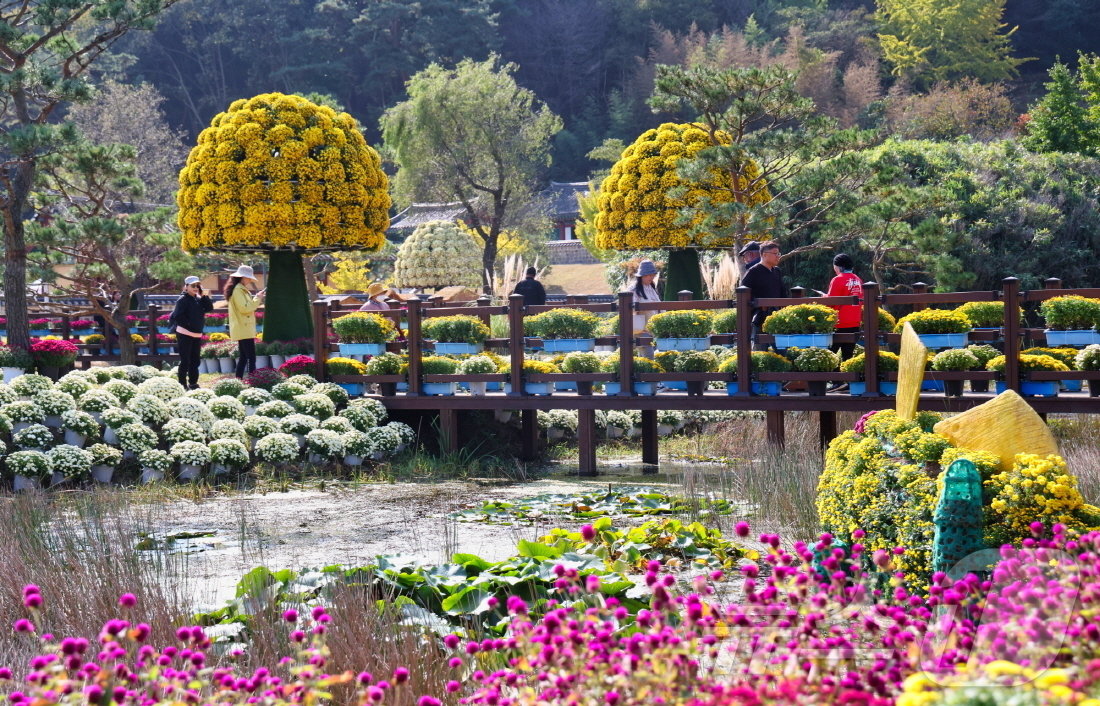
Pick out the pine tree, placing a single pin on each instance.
(1060, 121)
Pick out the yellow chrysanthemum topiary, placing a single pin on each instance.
(636, 210)
(280, 172)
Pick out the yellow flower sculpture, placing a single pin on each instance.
(278, 172)
(636, 209)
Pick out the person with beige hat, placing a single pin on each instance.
(375, 299)
(242, 317)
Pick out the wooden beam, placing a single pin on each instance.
(586, 442)
(650, 455)
(827, 427)
(777, 433)
(530, 434)
(448, 430)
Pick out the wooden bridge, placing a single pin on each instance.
(1012, 337)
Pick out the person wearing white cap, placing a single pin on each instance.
(188, 318)
(242, 317)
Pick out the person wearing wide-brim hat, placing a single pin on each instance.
(242, 316)
(375, 299)
(643, 287)
(187, 319)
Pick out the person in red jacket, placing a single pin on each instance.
(846, 284)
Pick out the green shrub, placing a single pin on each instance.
(984, 353)
(609, 326)
(1070, 313)
(928, 321)
(364, 327)
(816, 360)
(887, 363)
(455, 329)
(562, 323)
(581, 362)
(954, 359)
(387, 364)
(984, 314)
(801, 318)
(760, 362)
(684, 323)
(438, 365)
(726, 322)
(696, 362)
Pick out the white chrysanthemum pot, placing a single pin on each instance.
(20, 483)
(189, 471)
(151, 475)
(353, 460)
(75, 439)
(554, 433)
(102, 474)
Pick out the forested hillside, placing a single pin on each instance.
(591, 61)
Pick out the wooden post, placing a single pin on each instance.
(586, 442)
(920, 288)
(515, 342)
(1011, 291)
(777, 433)
(435, 301)
(626, 344)
(870, 339)
(684, 295)
(448, 430)
(1052, 283)
(320, 337)
(827, 427)
(798, 292)
(153, 345)
(413, 341)
(650, 455)
(529, 431)
(66, 327)
(484, 301)
(744, 342)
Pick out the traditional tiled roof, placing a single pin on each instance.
(562, 199)
(420, 213)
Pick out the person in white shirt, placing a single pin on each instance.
(643, 286)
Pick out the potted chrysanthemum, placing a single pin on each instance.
(478, 365)
(1027, 364)
(938, 328)
(581, 363)
(816, 360)
(363, 333)
(438, 365)
(456, 335)
(1088, 359)
(347, 366)
(28, 469)
(564, 330)
(192, 456)
(388, 364)
(14, 362)
(69, 463)
(887, 363)
(760, 362)
(802, 326)
(357, 447)
(695, 361)
(155, 464)
(227, 455)
(681, 330)
(105, 459)
(560, 422)
(79, 427)
(532, 366)
(1071, 320)
(324, 445)
(610, 364)
(53, 357)
(954, 360)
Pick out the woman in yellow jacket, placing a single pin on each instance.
(242, 317)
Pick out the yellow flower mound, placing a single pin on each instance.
(279, 172)
(636, 209)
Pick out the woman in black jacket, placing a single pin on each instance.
(188, 317)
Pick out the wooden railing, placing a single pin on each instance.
(412, 313)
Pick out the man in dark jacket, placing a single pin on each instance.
(531, 289)
(766, 282)
(188, 319)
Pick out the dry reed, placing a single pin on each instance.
(721, 279)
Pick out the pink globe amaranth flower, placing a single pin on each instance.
(452, 685)
(297, 636)
(127, 600)
(93, 693)
(428, 701)
(611, 697)
(33, 600)
(452, 640)
(375, 694)
(23, 625)
(400, 675)
(317, 612)
(588, 533)
(741, 529)
(5, 673)
(365, 677)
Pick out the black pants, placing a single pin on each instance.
(189, 359)
(846, 349)
(246, 356)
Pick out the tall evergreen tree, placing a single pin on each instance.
(1060, 121)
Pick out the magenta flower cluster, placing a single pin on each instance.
(297, 365)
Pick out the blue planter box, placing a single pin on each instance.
(1032, 388)
(352, 388)
(760, 389)
(493, 387)
(682, 344)
(362, 348)
(568, 345)
(458, 348)
(143, 350)
(440, 389)
(164, 329)
(82, 332)
(944, 340)
(533, 388)
(931, 386)
(640, 388)
(1072, 338)
(1073, 385)
(402, 387)
(884, 388)
(675, 385)
(215, 329)
(565, 386)
(803, 340)
(39, 332)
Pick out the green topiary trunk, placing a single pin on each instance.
(682, 272)
(287, 313)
